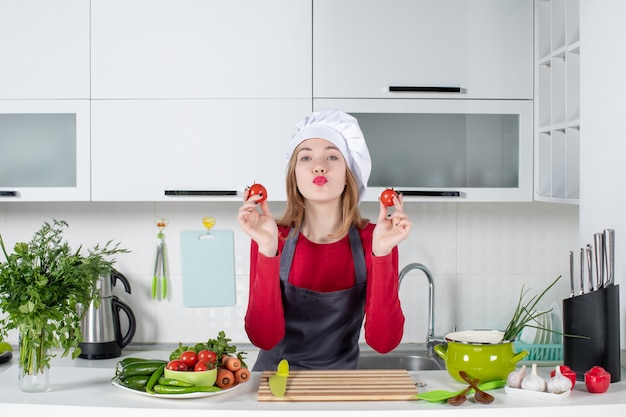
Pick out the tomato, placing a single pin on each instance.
(207, 356)
(566, 372)
(176, 365)
(258, 189)
(189, 358)
(386, 197)
(202, 366)
(597, 380)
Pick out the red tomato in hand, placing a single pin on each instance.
(207, 356)
(189, 358)
(386, 197)
(258, 189)
(176, 365)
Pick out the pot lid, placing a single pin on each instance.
(476, 336)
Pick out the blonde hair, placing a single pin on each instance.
(294, 210)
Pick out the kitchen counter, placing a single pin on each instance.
(83, 388)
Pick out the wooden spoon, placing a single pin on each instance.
(460, 399)
(480, 395)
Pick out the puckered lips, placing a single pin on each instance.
(320, 180)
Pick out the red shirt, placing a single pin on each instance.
(323, 268)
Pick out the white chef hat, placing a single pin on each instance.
(343, 131)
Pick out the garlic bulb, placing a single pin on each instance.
(534, 382)
(514, 380)
(559, 383)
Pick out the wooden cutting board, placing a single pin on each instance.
(344, 385)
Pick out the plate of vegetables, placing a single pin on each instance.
(202, 370)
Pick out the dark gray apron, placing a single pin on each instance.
(321, 328)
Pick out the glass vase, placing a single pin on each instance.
(33, 361)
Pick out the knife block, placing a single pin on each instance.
(596, 316)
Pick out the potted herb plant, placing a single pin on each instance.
(41, 285)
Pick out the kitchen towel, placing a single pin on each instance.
(208, 268)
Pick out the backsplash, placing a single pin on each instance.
(480, 255)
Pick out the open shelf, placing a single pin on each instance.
(557, 98)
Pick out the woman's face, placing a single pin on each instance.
(320, 170)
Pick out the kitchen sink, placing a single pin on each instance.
(404, 361)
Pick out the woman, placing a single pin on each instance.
(318, 271)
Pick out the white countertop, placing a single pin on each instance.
(83, 388)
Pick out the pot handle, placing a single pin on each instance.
(132, 324)
(519, 356)
(441, 350)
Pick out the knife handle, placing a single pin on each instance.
(590, 267)
(598, 241)
(609, 251)
(571, 273)
(582, 272)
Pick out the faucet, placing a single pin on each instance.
(431, 340)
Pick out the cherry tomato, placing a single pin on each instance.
(207, 356)
(258, 189)
(189, 358)
(386, 197)
(201, 366)
(597, 380)
(176, 365)
(566, 372)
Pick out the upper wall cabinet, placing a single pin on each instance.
(190, 150)
(44, 49)
(201, 49)
(44, 150)
(467, 49)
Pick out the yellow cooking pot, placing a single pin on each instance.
(481, 353)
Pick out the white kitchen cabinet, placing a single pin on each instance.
(44, 47)
(446, 150)
(44, 150)
(365, 48)
(189, 49)
(557, 115)
(190, 150)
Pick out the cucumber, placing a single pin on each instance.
(141, 368)
(119, 367)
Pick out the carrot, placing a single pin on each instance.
(225, 378)
(231, 363)
(242, 375)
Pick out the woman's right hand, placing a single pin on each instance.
(259, 225)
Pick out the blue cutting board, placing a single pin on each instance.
(208, 268)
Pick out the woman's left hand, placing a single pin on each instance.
(390, 229)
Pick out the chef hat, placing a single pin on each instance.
(343, 131)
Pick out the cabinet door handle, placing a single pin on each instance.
(192, 193)
(4, 193)
(414, 193)
(423, 89)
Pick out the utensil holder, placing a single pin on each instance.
(594, 315)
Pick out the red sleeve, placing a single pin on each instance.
(384, 320)
(265, 320)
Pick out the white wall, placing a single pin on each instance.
(603, 139)
(479, 253)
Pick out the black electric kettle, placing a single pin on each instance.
(100, 326)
